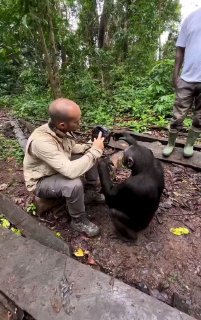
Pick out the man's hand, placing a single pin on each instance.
(98, 143)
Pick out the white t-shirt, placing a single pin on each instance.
(190, 39)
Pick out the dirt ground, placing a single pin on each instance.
(162, 264)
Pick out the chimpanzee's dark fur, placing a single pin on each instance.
(133, 202)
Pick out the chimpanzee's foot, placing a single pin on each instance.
(128, 241)
(93, 196)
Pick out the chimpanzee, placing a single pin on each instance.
(134, 201)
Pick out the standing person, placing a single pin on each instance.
(50, 170)
(188, 84)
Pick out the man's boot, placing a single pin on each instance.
(82, 224)
(171, 143)
(188, 149)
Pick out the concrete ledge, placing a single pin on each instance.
(50, 285)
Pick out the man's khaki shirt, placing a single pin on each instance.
(47, 154)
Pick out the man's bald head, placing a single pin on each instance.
(64, 112)
(61, 110)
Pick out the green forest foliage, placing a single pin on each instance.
(106, 55)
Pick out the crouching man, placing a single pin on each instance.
(53, 167)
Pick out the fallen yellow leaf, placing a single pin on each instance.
(58, 234)
(79, 252)
(179, 231)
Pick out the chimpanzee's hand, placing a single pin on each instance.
(117, 135)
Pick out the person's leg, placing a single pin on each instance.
(196, 125)
(90, 184)
(195, 130)
(183, 102)
(185, 95)
(57, 186)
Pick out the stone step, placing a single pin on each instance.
(50, 285)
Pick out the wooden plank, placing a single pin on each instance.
(119, 145)
(157, 149)
(19, 134)
(30, 127)
(149, 138)
(30, 227)
(176, 157)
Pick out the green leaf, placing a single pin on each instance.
(5, 223)
(16, 231)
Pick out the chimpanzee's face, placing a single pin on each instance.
(129, 157)
(137, 158)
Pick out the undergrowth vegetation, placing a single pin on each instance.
(105, 55)
(132, 101)
(10, 148)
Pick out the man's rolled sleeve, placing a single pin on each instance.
(80, 148)
(48, 152)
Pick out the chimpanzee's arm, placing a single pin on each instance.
(104, 174)
(124, 136)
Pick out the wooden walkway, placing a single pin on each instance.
(157, 149)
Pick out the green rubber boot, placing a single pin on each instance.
(192, 137)
(171, 143)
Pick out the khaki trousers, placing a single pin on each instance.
(58, 186)
(188, 97)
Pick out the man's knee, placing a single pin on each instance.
(72, 187)
(178, 117)
(77, 184)
(176, 124)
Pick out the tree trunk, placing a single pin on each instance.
(103, 23)
(48, 64)
(102, 27)
(55, 67)
(92, 28)
(159, 38)
(63, 57)
(126, 27)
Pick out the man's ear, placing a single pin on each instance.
(130, 162)
(61, 125)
